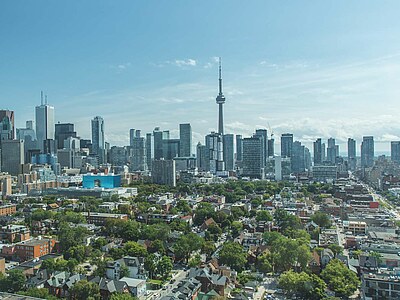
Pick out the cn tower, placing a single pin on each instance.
(220, 101)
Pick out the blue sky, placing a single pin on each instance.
(314, 68)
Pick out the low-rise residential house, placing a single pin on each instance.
(210, 281)
(315, 263)
(135, 266)
(187, 289)
(110, 286)
(326, 256)
(137, 287)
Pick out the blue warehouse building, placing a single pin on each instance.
(107, 181)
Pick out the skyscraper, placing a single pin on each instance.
(62, 132)
(12, 157)
(214, 153)
(44, 123)
(367, 152)
(201, 161)
(395, 151)
(271, 146)
(298, 158)
(163, 172)
(228, 151)
(220, 101)
(286, 144)
(252, 158)
(158, 143)
(7, 128)
(149, 149)
(318, 152)
(98, 142)
(262, 133)
(171, 148)
(137, 151)
(185, 137)
(239, 147)
(351, 153)
(331, 151)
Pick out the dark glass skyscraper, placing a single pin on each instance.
(367, 152)
(262, 133)
(252, 157)
(137, 151)
(228, 151)
(62, 132)
(351, 153)
(239, 147)
(286, 144)
(185, 137)
(318, 152)
(98, 142)
(298, 159)
(395, 151)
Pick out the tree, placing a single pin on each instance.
(302, 285)
(340, 279)
(208, 248)
(287, 253)
(164, 266)
(134, 249)
(356, 253)
(118, 296)
(124, 272)
(38, 293)
(156, 246)
(150, 265)
(336, 249)
(71, 237)
(14, 282)
(187, 244)
(263, 215)
(85, 290)
(264, 263)
(236, 228)
(321, 219)
(233, 255)
(99, 243)
(80, 253)
(195, 261)
(286, 221)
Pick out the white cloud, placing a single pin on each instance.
(185, 62)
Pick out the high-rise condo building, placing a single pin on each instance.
(252, 158)
(351, 154)
(395, 151)
(367, 152)
(262, 133)
(286, 144)
(185, 137)
(239, 147)
(98, 141)
(318, 152)
(228, 151)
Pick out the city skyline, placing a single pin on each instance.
(337, 80)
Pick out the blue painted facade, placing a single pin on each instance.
(108, 181)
